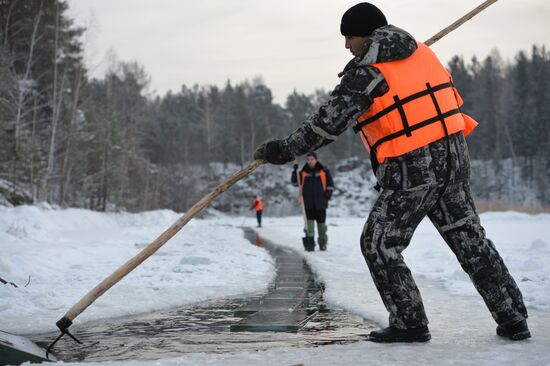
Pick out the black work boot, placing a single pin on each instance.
(391, 334)
(516, 331)
(309, 243)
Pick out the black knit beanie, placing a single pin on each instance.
(311, 153)
(361, 20)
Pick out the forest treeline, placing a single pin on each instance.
(73, 140)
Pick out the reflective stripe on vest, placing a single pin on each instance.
(421, 106)
(322, 175)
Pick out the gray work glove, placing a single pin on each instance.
(273, 152)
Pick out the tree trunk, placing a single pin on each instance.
(51, 153)
(54, 105)
(146, 191)
(242, 150)
(66, 167)
(208, 122)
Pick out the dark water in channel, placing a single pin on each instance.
(200, 328)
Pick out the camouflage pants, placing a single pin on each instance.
(414, 187)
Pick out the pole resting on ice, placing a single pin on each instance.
(63, 324)
(67, 320)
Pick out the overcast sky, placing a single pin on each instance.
(292, 44)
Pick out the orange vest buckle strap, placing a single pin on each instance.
(421, 106)
(357, 128)
(407, 130)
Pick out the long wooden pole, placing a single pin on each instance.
(116, 276)
(459, 22)
(301, 199)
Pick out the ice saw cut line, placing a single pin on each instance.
(66, 321)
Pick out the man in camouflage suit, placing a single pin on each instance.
(429, 181)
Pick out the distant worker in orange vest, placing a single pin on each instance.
(403, 103)
(316, 186)
(259, 207)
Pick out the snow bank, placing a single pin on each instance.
(67, 252)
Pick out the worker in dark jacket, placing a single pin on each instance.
(316, 186)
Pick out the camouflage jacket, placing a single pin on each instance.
(360, 84)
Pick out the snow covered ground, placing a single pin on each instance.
(67, 252)
(463, 331)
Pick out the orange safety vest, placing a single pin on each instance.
(421, 106)
(258, 205)
(322, 175)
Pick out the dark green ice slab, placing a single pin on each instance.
(273, 321)
(282, 305)
(290, 301)
(312, 287)
(295, 280)
(287, 293)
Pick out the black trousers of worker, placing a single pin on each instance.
(259, 217)
(318, 215)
